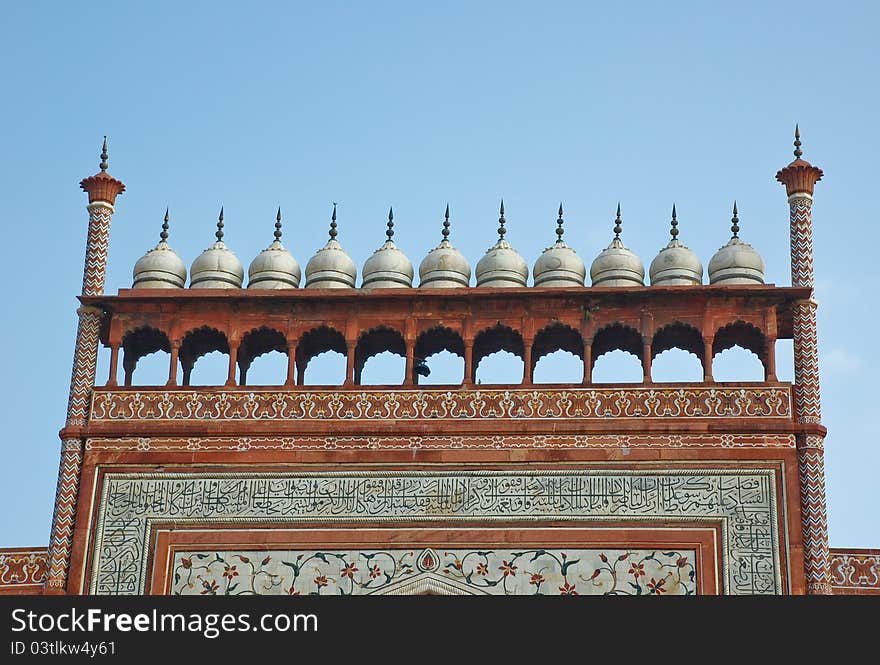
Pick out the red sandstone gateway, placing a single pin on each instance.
(698, 488)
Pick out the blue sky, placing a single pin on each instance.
(257, 105)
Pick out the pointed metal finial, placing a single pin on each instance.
(277, 233)
(446, 224)
(390, 231)
(219, 233)
(501, 222)
(735, 222)
(164, 235)
(104, 156)
(617, 223)
(333, 231)
(559, 222)
(674, 229)
(797, 143)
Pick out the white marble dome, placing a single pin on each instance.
(444, 267)
(559, 265)
(676, 265)
(331, 267)
(617, 265)
(274, 267)
(502, 266)
(737, 262)
(160, 267)
(388, 267)
(217, 267)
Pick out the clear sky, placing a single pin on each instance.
(255, 105)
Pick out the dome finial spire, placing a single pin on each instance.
(560, 222)
(735, 221)
(104, 156)
(219, 233)
(617, 223)
(277, 233)
(164, 235)
(797, 142)
(333, 231)
(446, 223)
(501, 222)
(390, 231)
(674, 229)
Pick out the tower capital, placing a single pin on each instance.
(102, 186)
(799, 177)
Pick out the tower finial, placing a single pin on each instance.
(277, 233)
(559, 222)
(674, 229)
(333, 231)
(164, 235)
(501, 222)
(219, 233)
(104, 156)
(797, 142)
(735, 221)
(390, 231)
(617, 223)
(446, 223)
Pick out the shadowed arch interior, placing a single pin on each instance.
(139, 343)
(375, 341)
(616, 336)
(741, 334)
(678, 335)
(254, 344)
(557, 337)
(196, 344)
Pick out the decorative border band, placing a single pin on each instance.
(389, 404)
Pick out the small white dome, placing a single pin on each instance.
(274, 267)
(559, 264)
(388, 267)
(217, 267)
(676, 265)
(737, 262)
(160, 267)
(502, 266)
(617, 265)
(444, 267)
(331, 267)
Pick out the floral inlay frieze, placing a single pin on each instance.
(570, 403)
(519, 572)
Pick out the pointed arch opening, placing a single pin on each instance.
(441, 350)
(617, 355)
(739, 353)
(148, 350)
(380, 357)
(210, 349)
(677, 353)
(558, 355)
(262, 358)
(327, 348)
(507, 350)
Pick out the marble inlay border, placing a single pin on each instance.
(743, 501)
